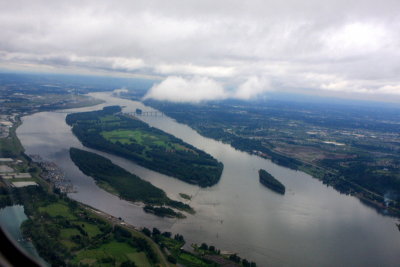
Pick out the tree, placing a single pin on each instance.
(128, 264)
(146, 231)
(167, 234)
(156, 231)
(204, 246)
(172, 259)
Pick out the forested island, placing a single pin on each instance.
(353, 148)
(110, 131)
(271, 182)
(117, 180)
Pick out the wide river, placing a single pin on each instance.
(311, 225)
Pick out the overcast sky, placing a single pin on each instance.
(201, 50)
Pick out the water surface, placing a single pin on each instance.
(311, 225)
(11, 218)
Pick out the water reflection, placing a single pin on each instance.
(311, 225)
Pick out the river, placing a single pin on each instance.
(311, 225)
(11, 218)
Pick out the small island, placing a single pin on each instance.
(269, 181)
(126, 185)
(185, 196)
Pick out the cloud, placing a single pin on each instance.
(284, 41)
(198, 89)
(179, 89)
(190, 69)
(254, 86)
(64, 59)
(390, 89)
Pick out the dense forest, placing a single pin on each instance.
(109, 130)
(271, 182)
(127, 185)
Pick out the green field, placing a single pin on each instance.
(91, 229)
(112, 254)
(143, 138)
(65, 233)
(110, 131)
(191, 260)
(58, 209)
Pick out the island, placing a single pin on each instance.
(351, 147)
(269, 181)
(111, 131)
(185, 196)
(126, 185)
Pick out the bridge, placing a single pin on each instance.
(146, 113)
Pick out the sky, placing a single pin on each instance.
(209, 50)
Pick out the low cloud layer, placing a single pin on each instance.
(198, 89)
(178, 89)
(338, 46)
(253, 87)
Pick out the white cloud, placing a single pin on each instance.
(190, 69)
(336, 86)
(389, 89)
(252, 87)
(356, 39)
(179, 89)
(198, 89)
(228, 40)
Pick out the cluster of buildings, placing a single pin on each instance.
(13, 178)
(55, 175)
(6, 122)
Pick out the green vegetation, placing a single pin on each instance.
(203, 256)
(58, 209)
(110, 131)
(163, 212)
(185, 196)
(68, 234)
(128, 186)
(270, 181)
(353, 148)
(11, 146)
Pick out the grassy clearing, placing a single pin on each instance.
(119, 252)
(69, 244)
(143, 138)
(58, 209)
(91, 229)
(191, 260)
(139, 258)
(110, 254)
(67, 233)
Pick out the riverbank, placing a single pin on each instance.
(107, 130)
(128, 186)
(360, 169)
(270, 229)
